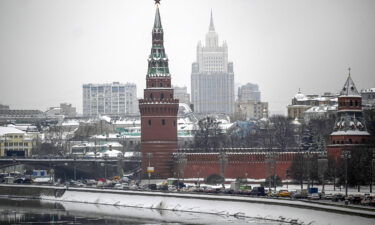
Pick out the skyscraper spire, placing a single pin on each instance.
(212, 27)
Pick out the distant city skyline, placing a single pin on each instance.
(50, 48)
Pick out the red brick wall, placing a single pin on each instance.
(254, 164)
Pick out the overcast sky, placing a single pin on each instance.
(49, 48)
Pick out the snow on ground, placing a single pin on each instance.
(220, 205)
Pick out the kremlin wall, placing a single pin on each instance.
(159, 131)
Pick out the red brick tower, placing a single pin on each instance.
(349, 130)
(158, 109)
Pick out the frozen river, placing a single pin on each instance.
(26, 211)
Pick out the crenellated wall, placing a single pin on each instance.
(257, 165)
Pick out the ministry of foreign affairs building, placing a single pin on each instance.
(212, 77)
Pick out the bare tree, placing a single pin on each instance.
(208, 136)
(281, 131)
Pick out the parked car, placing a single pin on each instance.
(338, 197)
(284, 193)
(326, 196)
(152, 186)
(356, 199)
(300, 194)
(313, 196)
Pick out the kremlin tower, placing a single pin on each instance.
(349, 130)
(158, 110)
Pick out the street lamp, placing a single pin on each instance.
(181, 163)
(372, 167)
(149, 169)
(346, 155)
(322, 167)
(271, 161)
(308, 156)
(223, 159)
(75, 168)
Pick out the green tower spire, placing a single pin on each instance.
(158, 60)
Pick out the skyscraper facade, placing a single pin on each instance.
(212, 77)
(249, 92)
(158, 110)
(181, 94)
(109, 99)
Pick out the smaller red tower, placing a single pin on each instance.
(349, 129)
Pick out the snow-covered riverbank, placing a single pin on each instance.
(224, 205)
(238, 206)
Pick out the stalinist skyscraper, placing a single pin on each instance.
(212, 77)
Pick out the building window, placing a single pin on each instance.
(161, 96)
(163, 121)
(174, 123)
(149, 122)
(152, 96)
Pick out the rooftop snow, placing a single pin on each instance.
(10, 130)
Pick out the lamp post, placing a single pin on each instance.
(75, 168)
(181, 163)
(322, 167)
(307, 156)
(346, 155)
(223, 159)
(149, 155)
(271, 161)
(372, 168)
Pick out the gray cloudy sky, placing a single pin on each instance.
(49, 48)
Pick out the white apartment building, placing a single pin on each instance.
(109, 99)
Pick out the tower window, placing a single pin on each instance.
(152, 96)
(163, 121)
(174, 123)
(161, 84)
(149, 122)
(161, 96)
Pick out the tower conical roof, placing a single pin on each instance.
(157, 21)
(212, 27)
(349, 88)
(158, 60)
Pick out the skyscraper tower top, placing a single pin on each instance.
(212, 38)
(212, 27)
